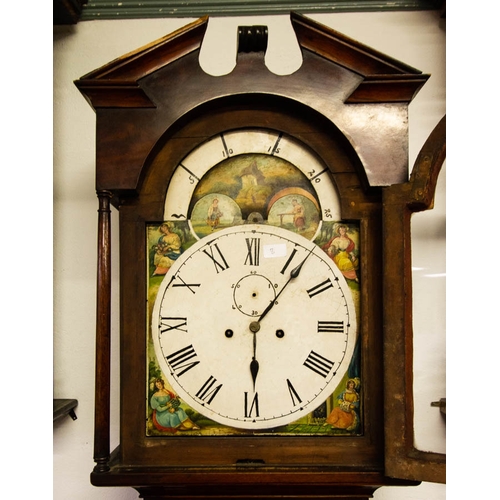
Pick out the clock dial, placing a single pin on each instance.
(254, 326)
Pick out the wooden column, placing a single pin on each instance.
(103, 336)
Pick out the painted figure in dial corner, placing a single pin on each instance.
(345, 415)
(167, 249)
(168, 416)
(341, 248)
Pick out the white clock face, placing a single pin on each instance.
(254, 326)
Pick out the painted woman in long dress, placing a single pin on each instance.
(168, 416)
(345, 415)
(167, 249)
(341, 249)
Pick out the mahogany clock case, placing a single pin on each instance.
(153, 108)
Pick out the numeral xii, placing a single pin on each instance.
(253, 254)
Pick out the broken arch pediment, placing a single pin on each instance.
(362, 91)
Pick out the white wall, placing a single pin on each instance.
(416, 38)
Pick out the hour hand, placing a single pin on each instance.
(254, 370)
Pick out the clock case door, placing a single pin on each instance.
(153, 107)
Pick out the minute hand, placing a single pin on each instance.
(293, 274)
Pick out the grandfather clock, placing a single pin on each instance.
(265, 325)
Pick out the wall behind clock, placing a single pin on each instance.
(416, 38)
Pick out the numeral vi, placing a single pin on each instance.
(251, 407)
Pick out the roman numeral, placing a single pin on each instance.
(253, 246)
(330, 327)
(218, 265)
(318, 364)
(315, 290)
(189, 286)
(287, 263)
(167, 324)
(254, 407)
(293, 393)
(179, 360)
(208, 392)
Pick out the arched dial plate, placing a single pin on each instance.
(254, 326)
(257, 147)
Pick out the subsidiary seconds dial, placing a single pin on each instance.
(254, 326)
